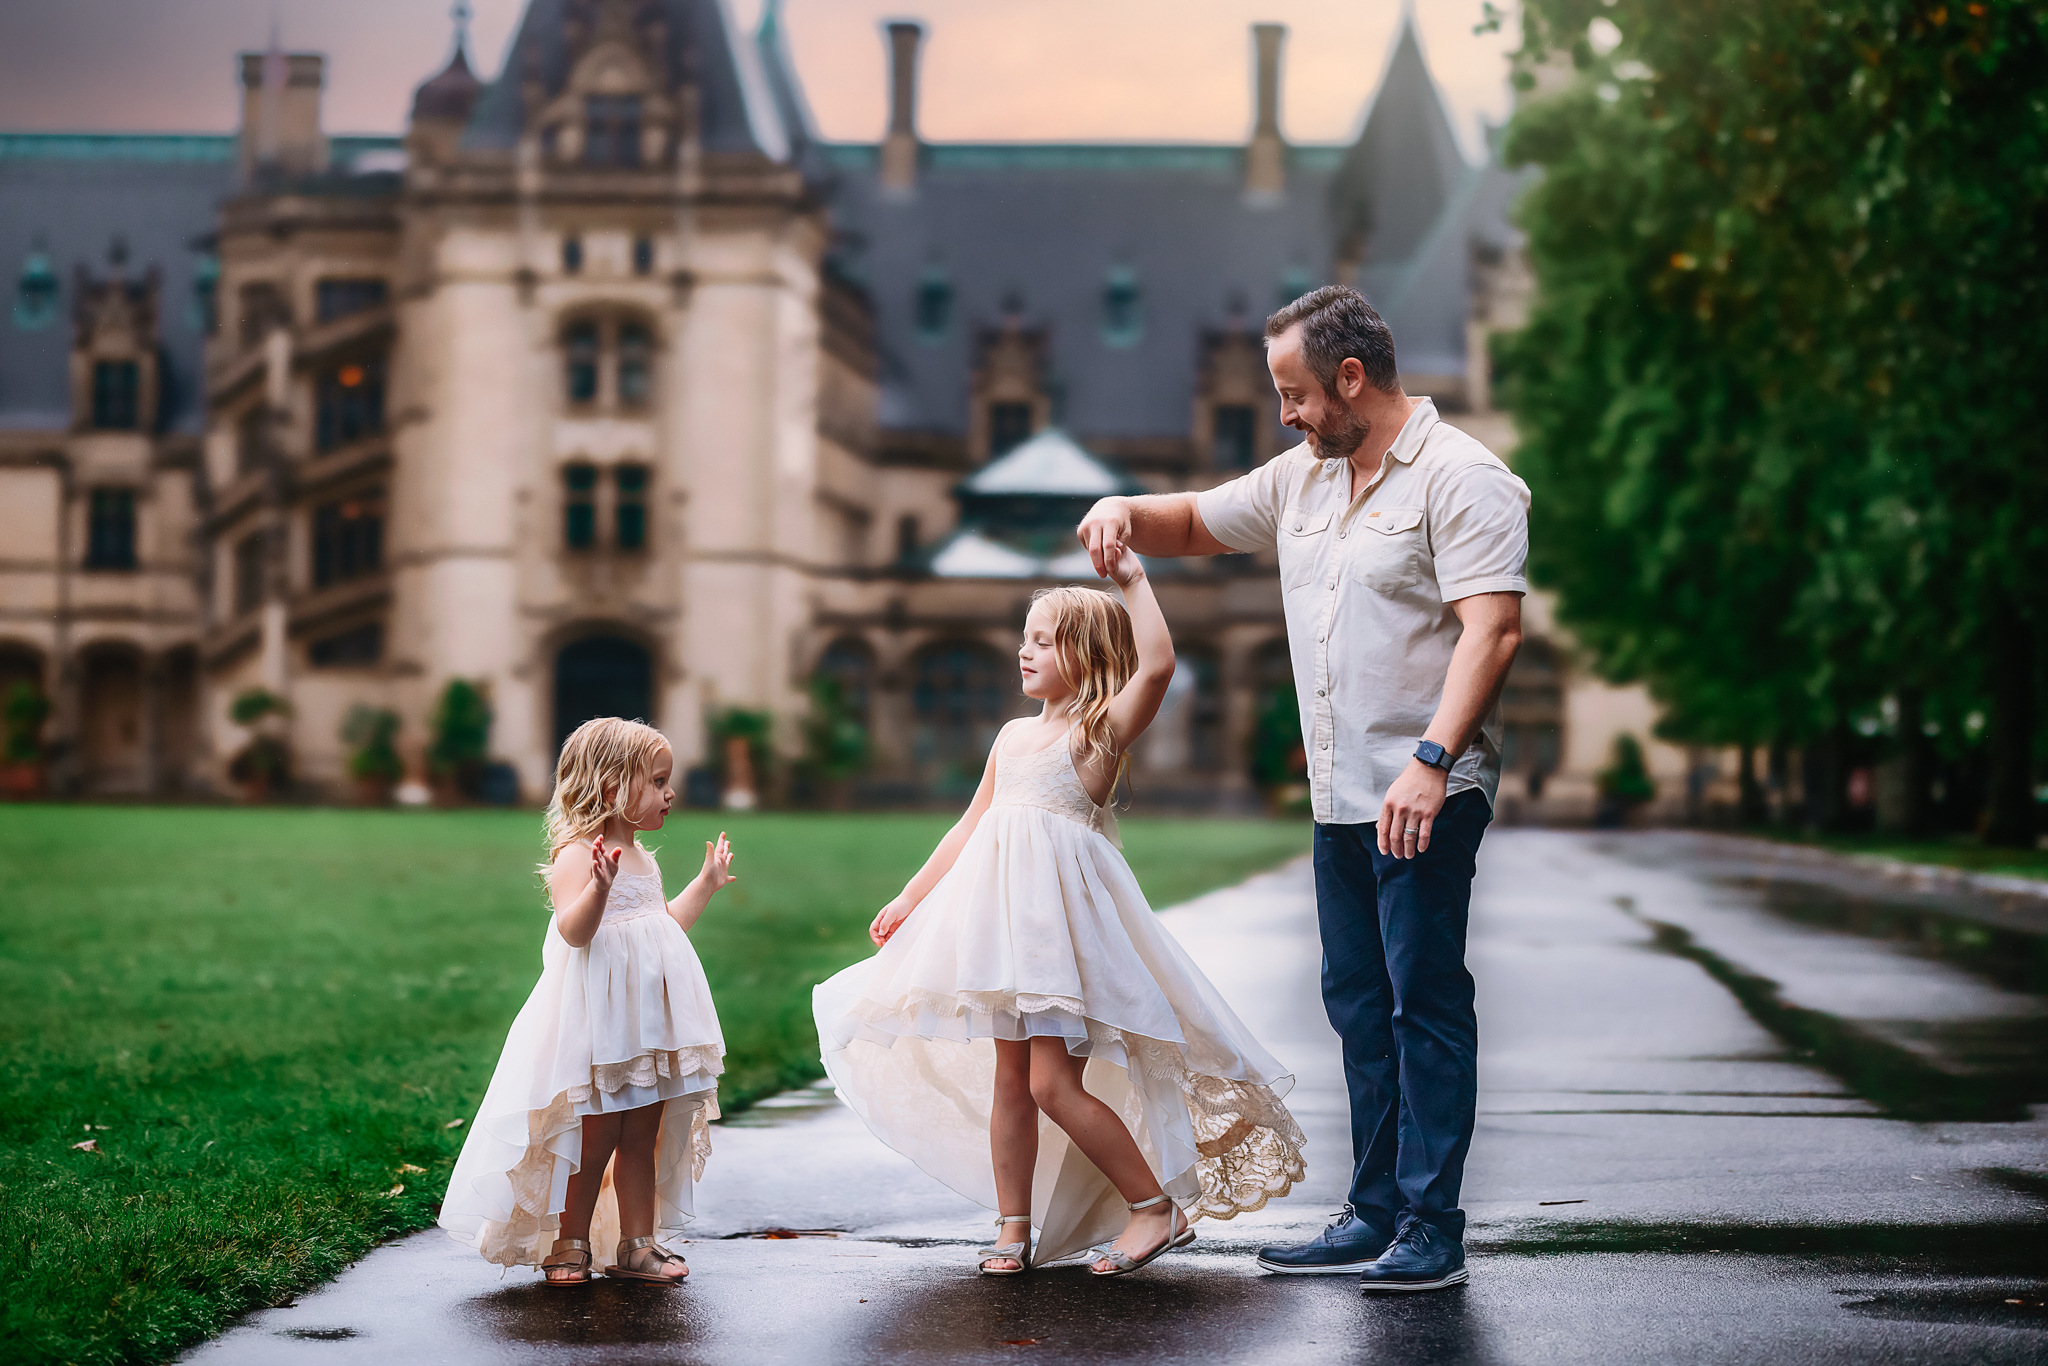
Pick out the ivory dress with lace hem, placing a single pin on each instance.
(624, 1022)
(1040, 929)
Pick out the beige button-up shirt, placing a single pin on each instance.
(1368, 583)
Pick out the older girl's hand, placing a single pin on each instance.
(717, 870)
(888, 921)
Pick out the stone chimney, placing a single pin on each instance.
(281, 113)
(1265, 159)
(899, 148)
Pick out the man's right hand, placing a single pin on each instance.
(1106, 531)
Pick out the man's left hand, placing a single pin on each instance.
(1410, 809)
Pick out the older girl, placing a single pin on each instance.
(594, 1127)
(1028, 1033)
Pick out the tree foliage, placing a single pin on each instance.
(1780, 390)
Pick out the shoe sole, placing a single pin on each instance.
(1457, 1277)
(1347, 1269)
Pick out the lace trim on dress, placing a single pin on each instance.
(1249, 1145)
(645, 1070)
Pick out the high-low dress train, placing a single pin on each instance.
(624, 1022)
(1040, 929)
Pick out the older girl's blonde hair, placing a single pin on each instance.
(1096, 653)
(602, 761)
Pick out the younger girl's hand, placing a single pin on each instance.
(888, 921)
(717, 869)
(603, 867)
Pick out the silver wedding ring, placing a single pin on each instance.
(1412, 830)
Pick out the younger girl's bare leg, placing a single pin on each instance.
(1102, 1138)
(600, 1137)
(1013, 1143)
(633, 1182)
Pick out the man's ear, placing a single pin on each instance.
(1351, 377)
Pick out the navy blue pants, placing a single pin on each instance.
(1398, 994)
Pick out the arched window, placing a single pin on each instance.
(636, 356)
(35, 293)
(959, 701)
(1123, 308)
(579, 351)
(934, 306)
(850, 664)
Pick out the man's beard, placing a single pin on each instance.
(1340, 437)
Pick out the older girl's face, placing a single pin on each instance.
(1038, 661)
(648, 804)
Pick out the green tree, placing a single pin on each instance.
(26, 709)
(835, 741)
(461, 735)
(1779, 390)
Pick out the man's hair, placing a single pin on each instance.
(1337, 322)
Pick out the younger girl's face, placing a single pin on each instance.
(1038, 659)
(648, 803)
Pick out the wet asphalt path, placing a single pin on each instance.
(1657, 1176)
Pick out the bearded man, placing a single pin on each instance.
(1401, 543)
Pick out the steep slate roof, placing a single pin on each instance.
(1051, 464)
(1043, 226)
(738, 108)
(77, 192)
(160, 194)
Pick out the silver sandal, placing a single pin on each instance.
(629, 1246)
(1123, 1264)
(1020, 1253)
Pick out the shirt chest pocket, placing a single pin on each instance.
(1302, 545)
(1393, 551)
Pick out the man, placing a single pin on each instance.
(1401, 544)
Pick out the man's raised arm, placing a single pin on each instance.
(1162, 525)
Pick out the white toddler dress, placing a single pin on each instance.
(1040, 929)
(621, 1023)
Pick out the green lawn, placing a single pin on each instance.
(1959, 851)
(261, 1016)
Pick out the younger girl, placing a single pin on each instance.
(1027, 1006)
(594, 1126)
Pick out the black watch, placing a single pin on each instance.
(1435, 755)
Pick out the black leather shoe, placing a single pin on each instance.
(1422, 1258)
(1349, 1244)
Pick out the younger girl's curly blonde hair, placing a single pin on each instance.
(1096, 654)
(602, 762)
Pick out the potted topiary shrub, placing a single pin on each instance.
(835, 742)
(373, 762)
(1625, 786)
(461, 741)
(740, 744)
(263, 766)
(23, 771)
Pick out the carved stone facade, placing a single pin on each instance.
(611, 387)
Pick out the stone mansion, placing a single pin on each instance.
(611, 386)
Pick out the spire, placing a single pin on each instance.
(449, 94)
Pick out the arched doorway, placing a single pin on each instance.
(602, 676)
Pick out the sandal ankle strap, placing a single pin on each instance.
(627, 1245)
(1002, 1219)
(1145, 1204)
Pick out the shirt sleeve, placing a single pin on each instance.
(1479, 531)
(1244, 514)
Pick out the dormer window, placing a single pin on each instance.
(1123, 315)
(611, 130)
(934, 306)
(1295, 283)
(115, 386)
(1009, 426)
(1236, 427)
(35, 293)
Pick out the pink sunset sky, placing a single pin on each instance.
(992, 69)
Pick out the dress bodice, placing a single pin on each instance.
(634, 895)
(1048, 780)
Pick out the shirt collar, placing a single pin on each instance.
(1407, 442)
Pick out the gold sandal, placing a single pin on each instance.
(579, 1275)
(629, 1246)
(1020, 1253)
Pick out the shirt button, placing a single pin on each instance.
(1342, 534)
(1319, 692)
(1297, 526)
(1320, 638)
